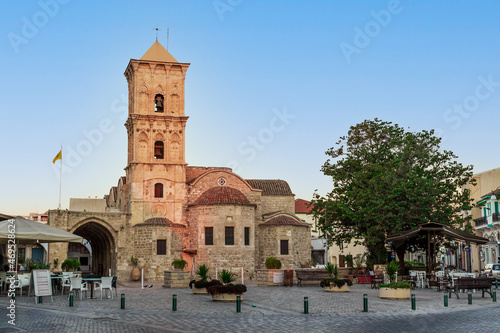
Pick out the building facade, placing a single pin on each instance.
(163, 209)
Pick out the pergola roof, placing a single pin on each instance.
(438, 229)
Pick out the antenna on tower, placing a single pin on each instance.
(157, 33)
(167, 37)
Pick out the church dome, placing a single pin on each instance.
(222, 195)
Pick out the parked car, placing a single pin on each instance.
(487, 268)
(495, 271)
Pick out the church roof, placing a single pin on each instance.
(302, 206)
(158, 221)
(285, 220)
(271, 186)
(222, 195)
(158, 53)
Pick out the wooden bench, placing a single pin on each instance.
(310, 275)
(483, 284)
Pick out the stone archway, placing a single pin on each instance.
(103, 246)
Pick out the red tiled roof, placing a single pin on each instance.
(301, 206)
(285, 220)
(271, 186)
(495, 192)
(222, 195)
(159, 221)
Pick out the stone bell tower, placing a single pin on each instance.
(156, 168)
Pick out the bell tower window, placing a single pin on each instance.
(158, 190)
(159, 103)
(159, 150)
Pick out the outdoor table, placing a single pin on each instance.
(54, 282)
(91, 281)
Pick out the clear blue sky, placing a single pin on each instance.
(329, 64)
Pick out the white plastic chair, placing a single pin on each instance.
(422, 280)
(77, 285)
(21, 282)
(106, 283)
(66, 281)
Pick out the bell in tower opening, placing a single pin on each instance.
(159, 103)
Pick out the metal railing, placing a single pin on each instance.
(496, 217)
(481, 221)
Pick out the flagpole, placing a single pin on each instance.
(60, 180)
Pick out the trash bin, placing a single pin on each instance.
(288, 278)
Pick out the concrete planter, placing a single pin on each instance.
(176, 279)
(334, 289)
(226, 297)
(199, 291)
(394, 293)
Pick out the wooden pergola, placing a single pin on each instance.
(432, 230)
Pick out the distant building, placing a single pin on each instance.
(163, 209)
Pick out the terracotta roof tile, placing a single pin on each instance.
(271, 186)
(159, 221)
(301, 206)
(285, 220)
(222, 195)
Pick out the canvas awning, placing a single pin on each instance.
(437, 229)
(27, 231)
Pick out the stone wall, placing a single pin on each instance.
(275, 203)
(299, 244)
(145, 249)
(220, 255)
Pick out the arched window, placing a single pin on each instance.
(159, 150)
(159, 103)
(158, 190)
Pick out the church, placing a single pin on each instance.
(163, 209)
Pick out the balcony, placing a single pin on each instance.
(496, 217)
(481, 221)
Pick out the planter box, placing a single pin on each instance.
(334, 289)
(199, 291)
(270, 277)
(177, 279)
(226, 297)
(394, 293)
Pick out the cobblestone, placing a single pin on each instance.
(276, 309)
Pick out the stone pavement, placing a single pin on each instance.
(276, 309)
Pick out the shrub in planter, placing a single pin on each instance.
(226, 288)
(273, 263)
(334, 281)
(394, 290)
(204, 284)
(70, 264)
(179, 263)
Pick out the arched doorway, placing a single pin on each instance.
(103, 247)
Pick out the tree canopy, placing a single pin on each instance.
(386, 180)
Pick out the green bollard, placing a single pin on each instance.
(13, 297)
(174, 302)
(122, 305)
(494, 295)
(70, 298)
(40, 299)
(365, 303)
(445, 299)
(413, 302)
(470, 297)
(238, 303)
(306, 305)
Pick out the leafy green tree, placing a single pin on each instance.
(386, 180)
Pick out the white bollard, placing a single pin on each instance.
(110, 272)
(216, 273)
(142, 278)
(242, 276)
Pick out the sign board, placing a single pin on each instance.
(277, 277)
(42, 282)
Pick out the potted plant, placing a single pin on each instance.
(179, 264)
(70, 265)
(226, 291)
(273, 263)
(200, 286)
(56, 262)
(135, 274)
(394, 289)
(333, 283)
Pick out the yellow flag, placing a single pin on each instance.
(58, 156)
